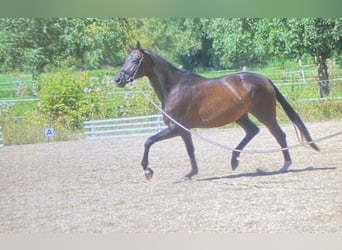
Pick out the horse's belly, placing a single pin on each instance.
(221, 110)
(219, 116)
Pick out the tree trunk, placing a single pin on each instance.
(323, 77)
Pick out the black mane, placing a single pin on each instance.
(172, 66)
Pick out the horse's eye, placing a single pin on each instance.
(136, 59)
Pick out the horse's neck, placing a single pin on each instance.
(163, 79)
(158, 88)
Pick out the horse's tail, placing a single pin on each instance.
(294, 117)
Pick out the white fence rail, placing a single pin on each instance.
(123, 127)
(1, 138)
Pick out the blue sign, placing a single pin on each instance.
(49, 132)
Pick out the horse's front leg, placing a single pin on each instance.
(166, 133)
(186, 136)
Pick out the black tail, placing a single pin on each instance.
(294, 117)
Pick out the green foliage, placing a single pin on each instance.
(62, 97)
(321, 36)
(36, 44)
(234, 43)
(70, 98)
(135, 104)
(101, 102)
(175, 39)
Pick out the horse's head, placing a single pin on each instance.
(132, 67)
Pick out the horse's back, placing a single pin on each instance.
(214, 102)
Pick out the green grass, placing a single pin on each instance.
(9, 91)
(11, 77)
(8, 85)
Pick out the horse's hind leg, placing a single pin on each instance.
(251, 130)
(280, 136)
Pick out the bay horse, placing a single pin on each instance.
(198, 102)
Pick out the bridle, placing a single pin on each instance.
(134, 68)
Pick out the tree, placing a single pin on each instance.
(182, 41)
(33, 43)
(234, 41)
(82, 43)
(320, 38)
(37, 45)
(194, 46)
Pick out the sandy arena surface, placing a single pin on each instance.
(98, 186)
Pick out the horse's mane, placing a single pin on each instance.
(170, 65)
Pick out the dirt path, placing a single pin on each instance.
(98, 186)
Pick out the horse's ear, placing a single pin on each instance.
(138, 46)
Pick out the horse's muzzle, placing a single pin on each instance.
(122, 79)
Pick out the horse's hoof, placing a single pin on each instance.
(185, 179)
(234, 163)
(148, 173)
(285, 168)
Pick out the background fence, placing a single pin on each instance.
(123, 127)
(1, 138)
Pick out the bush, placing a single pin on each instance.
(71, 98)
(62, 97)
